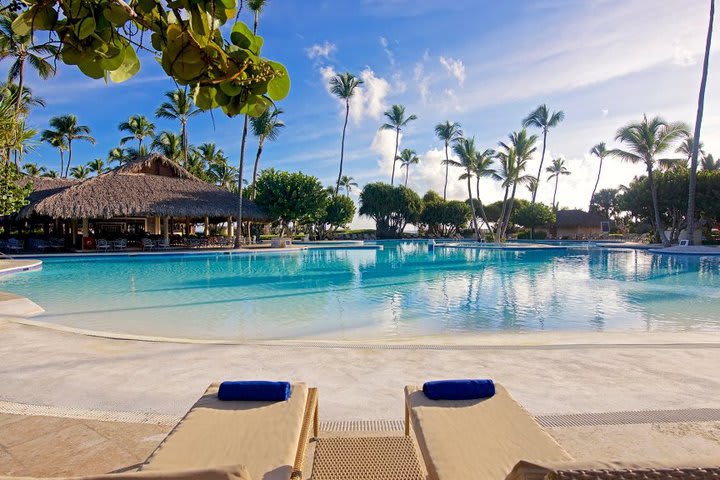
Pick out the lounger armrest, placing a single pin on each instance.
(310, 419)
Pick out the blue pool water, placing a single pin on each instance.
(399, 291)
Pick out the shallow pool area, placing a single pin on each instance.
(400, 291)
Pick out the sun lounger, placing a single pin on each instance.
(269, 438)
(485, 438)
(696, 469)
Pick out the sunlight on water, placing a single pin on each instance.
(399, 291)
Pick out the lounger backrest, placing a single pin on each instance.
(696, 469)
(215, 473)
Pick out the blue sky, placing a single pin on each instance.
(483, 63)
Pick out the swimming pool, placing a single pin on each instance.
(399, 291)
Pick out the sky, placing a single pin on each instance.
(483, 63)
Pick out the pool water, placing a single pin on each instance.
(402, 290)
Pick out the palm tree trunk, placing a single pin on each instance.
(397, 141)
(656, 209)
(506, 223)
(67, 167)
(447, 168)
(472, 207)
(21, 83)
(596, 184)
(542, 160)
(62, 161)
(483, 215)
(557, 178)
(257, 162)
(184, 142)
(342, 145)
(501, 218)
(696, 137)
(407, 174)
(238, 230)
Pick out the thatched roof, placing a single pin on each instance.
(578, 218)
(43, 187)
(151, 186)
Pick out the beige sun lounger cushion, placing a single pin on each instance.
(482, 439)
(236, 472)
(263, 436)
(696, 469)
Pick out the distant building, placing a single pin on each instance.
(578, 224)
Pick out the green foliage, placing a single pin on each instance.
(533, 215)
(445, 219)
(100, 37)
(291, 197)
(13, 192)
(605, 202)
(432, 196)
(338, 212)
(392, 208)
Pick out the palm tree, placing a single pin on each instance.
(709, 163)
(57, 140)
(33, 170)
(692, 186)
(601, 152)
(50, 174)
(169, 144)
(97, 166)
(178, 107)
(464, 148)
(139, 127)
(80, 172)
(27, 99)
(348, 183)
(556, 170)
(195, 164)
(120, 155)
(448, 133)
(22, 49)
(542, 118)
(265, 127)
(407, 157)
(482, 168)
(66, 129)
(211, 154)
(396, 121)
(646, 140)
(514, 158)
(343, 86)
(222, 174)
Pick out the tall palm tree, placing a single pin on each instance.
(483, 168)
(556, 170)
(348, 183)
(169, 144)
(222, 174)
(23, 50)
(396, 121)
(601, 152)
(448, 133)
(178, 106)
(343, 86)
(514, 156)
(67, 128)
(465, 150)
(211, 154)
(27, 99)
(57, 140)
(97, 166)
(692, 185)
(80, 172)
(33, 170)
(265, 127)
(543, 119)
(645, 141)
(196, 165)
(139, 128)
(709, 163)
(407, 157)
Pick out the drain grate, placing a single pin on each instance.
(630, 417)
(362, 426)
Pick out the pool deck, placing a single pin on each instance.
(113, 390)
(689, 250)
(12, 265)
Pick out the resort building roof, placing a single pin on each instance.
(578, 218)
(149, 186)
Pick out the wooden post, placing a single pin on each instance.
(73, 230)
(207, 227)
(229, 227)
(166, 228)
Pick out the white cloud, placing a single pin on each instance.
(323, 50)
(682, 56)
(386, 48)
(383, 144)
(454, 67)
(605, 112)
(369, 99)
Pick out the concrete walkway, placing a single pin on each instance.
(46, 367)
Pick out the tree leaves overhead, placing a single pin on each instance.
(102, 38)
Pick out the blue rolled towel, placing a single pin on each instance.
(254, 391)
(459, 389)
